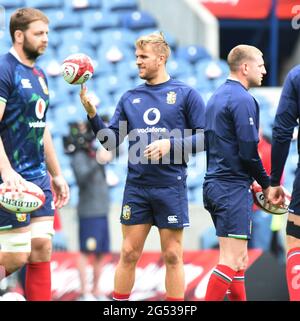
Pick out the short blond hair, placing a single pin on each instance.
(160, 46)
(240, 54)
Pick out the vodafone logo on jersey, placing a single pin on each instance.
(40, 108)
(151, 116)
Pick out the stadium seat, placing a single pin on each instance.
(64, 19)
(45, 4)
(80, 5)
(120, 5)
(101, 20)
(138, 20)
(127, 68)
(12, 4)
(192, 53)
(178, 67)
(122, 35)
(114, 52)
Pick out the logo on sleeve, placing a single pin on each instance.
(251, 121)
(151, 116)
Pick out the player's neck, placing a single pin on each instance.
(21, 56)
(241, 80)
(164, 77)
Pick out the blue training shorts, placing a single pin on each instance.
(94, 235)
(294, 206)
(10, 220)
(230, 205)
(165, 207)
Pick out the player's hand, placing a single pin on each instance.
(62, 191)
(13, 181)
(158, 149)
(266, 197)
(87, 102)
(103, 156)
(276, 195)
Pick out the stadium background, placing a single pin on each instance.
(200, 34)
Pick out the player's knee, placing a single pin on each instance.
(15, 249)
(172, 257)
(41, 250)
(130, 255)
(16, 261)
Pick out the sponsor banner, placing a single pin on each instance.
(239, 9)
(150, 275)
(288, 9)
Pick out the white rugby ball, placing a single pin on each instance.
(33, 198)
(12, 296)
(259, 198)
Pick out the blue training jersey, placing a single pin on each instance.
(231, 135)
(151, 112)
(24, 91)
(286, 119)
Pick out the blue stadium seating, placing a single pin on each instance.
(138, 20)
(192, 53)
(12, 4)
(45, 4)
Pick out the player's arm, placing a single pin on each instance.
(60, 185)
(247, 134)
(109, 136)
(285, 121)
(9, 176)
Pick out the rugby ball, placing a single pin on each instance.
(259, 198)
(32, 199)
(77, 69)
(12, 296)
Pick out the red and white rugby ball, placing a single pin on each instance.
(77, 69)
(259, 198)
(33, 198)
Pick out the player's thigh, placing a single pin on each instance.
(134, 236)
(232, 251)
(171, 239)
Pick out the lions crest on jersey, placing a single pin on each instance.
(43, 85)
(171, 97)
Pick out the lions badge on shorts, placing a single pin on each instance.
(126, 213)
(21, 217)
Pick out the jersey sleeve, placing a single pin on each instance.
(6, 82)
(195, 114)
(246, 121)
(285, 121)
(113, 135)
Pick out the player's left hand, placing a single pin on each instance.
(62, 191)
(276, 196)
(157, 149)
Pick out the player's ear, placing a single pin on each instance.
(19, 36)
